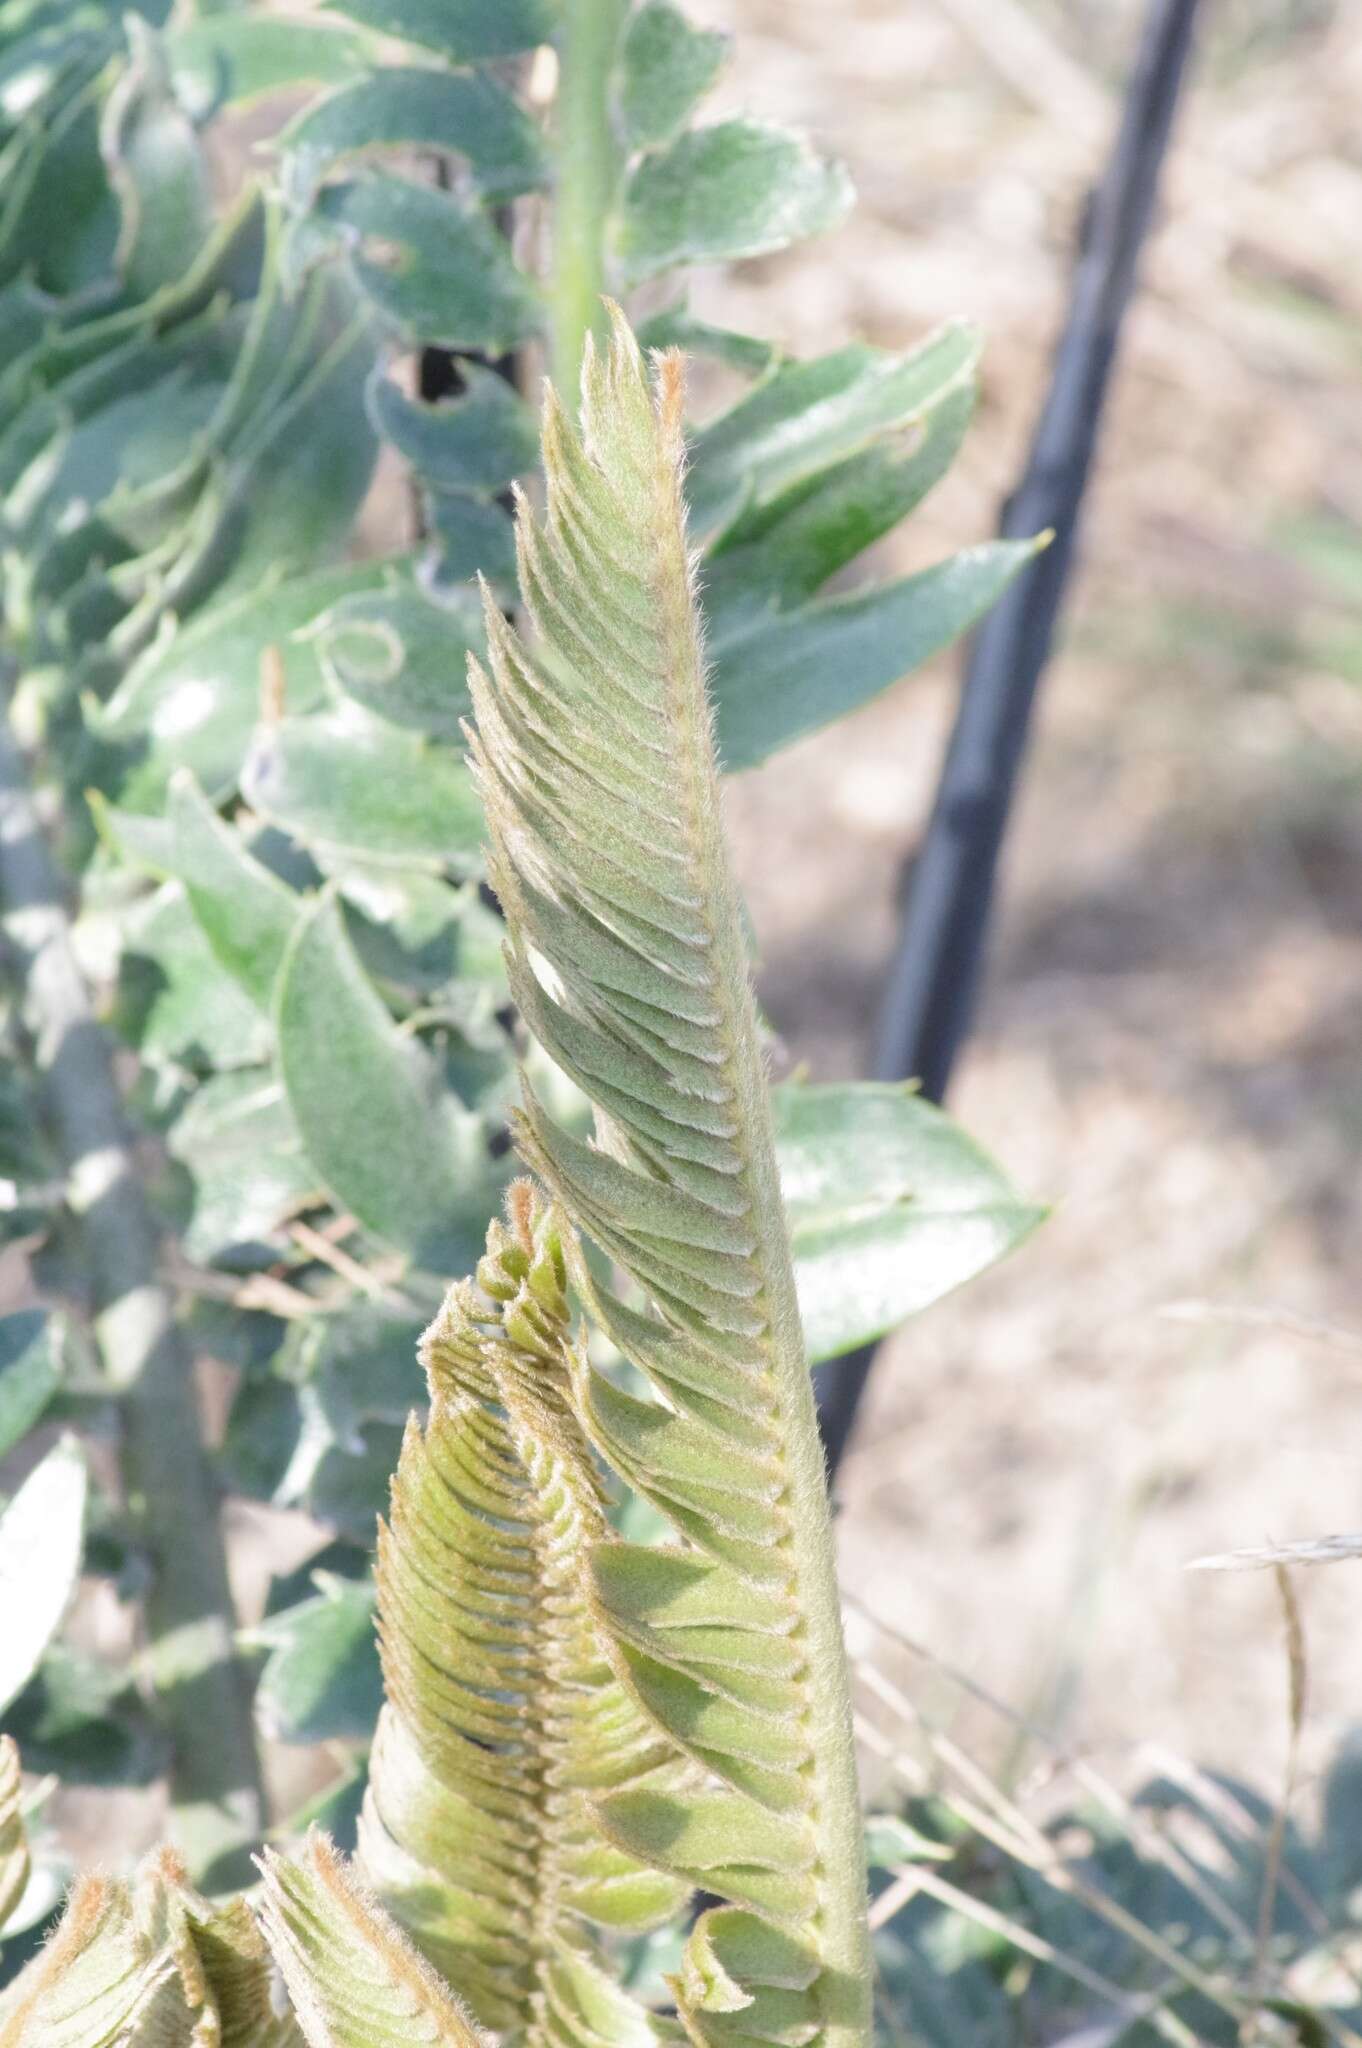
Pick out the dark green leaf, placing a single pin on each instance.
(240, 57)
(473, 537)
(348, 1489)
(785, 674)
(30, 1372)
(346, 782)
(665, 67)
(157, 169)
(245, 913)
(81, 1718)
(194, 697)
(61, 224)
(890, 1206)
(173, 1001)
(676, 327)
(479, 441)
(411, 929)
(262, 1439)
(741, 188)
(295, 491)
(806, 417)
(943, 2004)
(789, 549)
(360, 1366)
(408, 107)
(321, 1681)
(394, 1148)
(404, 656)
(114, 448)
(464, 31)
(337, 1557)
(441, 273)
(241, 1147)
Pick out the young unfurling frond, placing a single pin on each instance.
(151, 1964)
(594, 753)
(504, 1719)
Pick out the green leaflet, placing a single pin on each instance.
(321, 1682)
(354, 1979)
(595, 759)
(453, 281)
(392, 1144)
(194, 694)
(479, 441)
(410, 106)
(148, 1961)
(345, 782)
(783, 675)
(242, 57)
(503, 1716)
(665, 67)
(738, 188)
(463, 31)
(889, 1205)
(246, 914)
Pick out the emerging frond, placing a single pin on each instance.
(13, 1835)
(627, 960)
(149, 1964)
(504, 1718)
(354, 1978)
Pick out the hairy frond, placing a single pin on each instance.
(504, 1718)
(149, 1964)
(627, 960)
(354, 1978)
(13, 1835)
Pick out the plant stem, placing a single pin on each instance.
(588, 164)
(218, 1805)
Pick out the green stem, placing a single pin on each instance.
(218, 1805)
(588, 165)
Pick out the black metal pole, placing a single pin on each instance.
(929, 997)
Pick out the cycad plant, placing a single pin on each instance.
(580, 1729)
(253, 838)
(243, 867)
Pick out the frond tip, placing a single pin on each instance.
(627, 958)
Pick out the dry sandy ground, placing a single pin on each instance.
(1169, 1049)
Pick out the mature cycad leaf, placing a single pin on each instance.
(149, 1964)
(354, 1978)
(504, 1718)
(627, 959)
